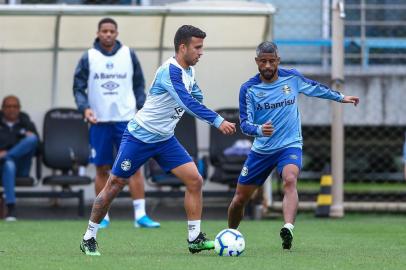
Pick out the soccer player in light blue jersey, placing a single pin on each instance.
(151, 135)
(269, 112)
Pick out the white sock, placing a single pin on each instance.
(91, 230)
(107, 217)
(289, 226)
(193, 229)
(139, 208)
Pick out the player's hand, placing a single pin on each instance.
(227, 128)
(267, 129)
(3, 153)
(351, 99)
(89, 116)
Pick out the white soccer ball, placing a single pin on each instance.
(229, 242)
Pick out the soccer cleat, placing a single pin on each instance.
(146, 222)
(11, 213)
(89, 247)
(287, 238)
(104, 224)
(200, 243)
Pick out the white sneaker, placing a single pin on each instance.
(10, 218)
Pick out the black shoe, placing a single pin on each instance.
(287, 238)
(89, 247)
(200, 243)
(11, 213)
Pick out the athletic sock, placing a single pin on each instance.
(91, 230)
(193, 229)
(289, 226)
(139, 208)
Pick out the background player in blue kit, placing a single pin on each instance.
(112, 76)
(151, 134)
(269, 112)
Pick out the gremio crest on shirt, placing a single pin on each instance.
(109, 65)
(244, 171)
(286, 89)
(260, 94)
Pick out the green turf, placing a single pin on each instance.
(355, 242)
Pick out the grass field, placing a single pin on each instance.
(355, 242)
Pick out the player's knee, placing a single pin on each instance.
(289, 181)
(195, 184)
(117, 182)
(240, 200)
(102, 170)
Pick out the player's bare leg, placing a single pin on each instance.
(100, 207)
(102, 175)
(136, 186)
(290, 202)
(193, 181)
(193, 203)
(103, 201)
(241, 197)
(137, 191)
(404, 174)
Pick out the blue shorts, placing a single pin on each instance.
(257, 167)
(133, 153)
(104, 141)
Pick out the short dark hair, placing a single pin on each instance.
(3, 103)
(267, 47)
(185, 34)
(106, 20)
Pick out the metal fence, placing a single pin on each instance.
(375, 70)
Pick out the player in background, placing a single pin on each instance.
(269, 112)
(108, 88)
(151, 134)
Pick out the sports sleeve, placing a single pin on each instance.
(315, 89)
(176, 88)
(247, 114)
(138, 81)
(80, 79)
(197, 93)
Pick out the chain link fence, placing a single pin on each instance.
(375, 52)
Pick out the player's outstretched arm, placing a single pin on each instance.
(351, 99)
(227, 128)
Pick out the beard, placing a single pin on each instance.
(191, 62)
(267, 74)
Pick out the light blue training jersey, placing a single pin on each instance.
(277, 102)
(173, 91)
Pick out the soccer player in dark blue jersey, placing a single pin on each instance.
(269, 112)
